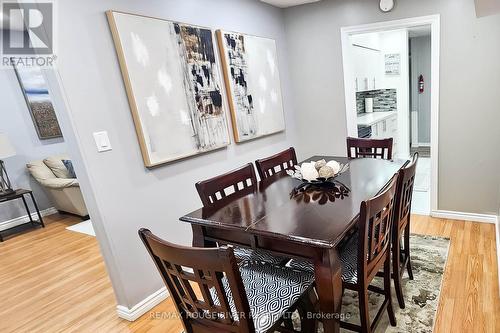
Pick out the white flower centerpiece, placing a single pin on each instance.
(317, 172)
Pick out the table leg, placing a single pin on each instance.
(199, 237)
(329, 287)
(27, 210)
(37, 210)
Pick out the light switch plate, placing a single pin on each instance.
(102, 141)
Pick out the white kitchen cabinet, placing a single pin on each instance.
(371, 40)
(385, 128)
(368, 73)
(374, 131)
(393, 126)
(389, 129)
(367, 68)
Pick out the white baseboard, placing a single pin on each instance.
(417, 212)
(452, 215)
(143, 306)
(23, 219)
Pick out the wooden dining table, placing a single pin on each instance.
(295, 222)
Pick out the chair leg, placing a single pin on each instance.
(305, 308)
(407, 250)
(396, 256)
(288, 322)
(364, 314)
(387, 289)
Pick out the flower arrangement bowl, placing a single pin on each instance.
(318, 172)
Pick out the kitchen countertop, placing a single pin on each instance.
(368, 119)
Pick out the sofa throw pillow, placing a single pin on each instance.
(69, 165)
(55, 164)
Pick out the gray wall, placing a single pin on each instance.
(15, 120)
(421, 65)
(124, 195)
(469, 113)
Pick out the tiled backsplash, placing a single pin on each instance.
(383, 100)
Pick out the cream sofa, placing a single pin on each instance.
(54, 177)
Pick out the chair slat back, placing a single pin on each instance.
(375, 222)
(192, 276)
(220, 189)
(269, 166)
(375, 148)
(404, 193)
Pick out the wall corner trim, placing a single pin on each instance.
(474, 217)
(143, 306)
(25, 218)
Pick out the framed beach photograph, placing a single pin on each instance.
(36, 94)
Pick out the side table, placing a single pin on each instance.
(20, 194)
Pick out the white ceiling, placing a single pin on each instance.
(288, 3)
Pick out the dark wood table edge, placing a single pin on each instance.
(295, 239)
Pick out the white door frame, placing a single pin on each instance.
(434, 22)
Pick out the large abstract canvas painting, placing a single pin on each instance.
(253, 83)
(37, 97)
(173, 84)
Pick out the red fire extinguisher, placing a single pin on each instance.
(420, 84)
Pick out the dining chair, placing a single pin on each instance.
(373, 239)
(375, 148)
(224, 188)
(401, 227)
(212, 293)
(220, 189)
(266, 167)
(367, 253)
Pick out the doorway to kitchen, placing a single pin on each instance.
(419, 47)
(388, 71)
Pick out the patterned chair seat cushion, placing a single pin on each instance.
(348, 258)
(302, 264)
(271, 290)
(246, 254)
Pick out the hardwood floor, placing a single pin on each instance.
(470, 300)
(54, 280)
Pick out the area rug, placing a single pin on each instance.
(84, 227)
(428, 256)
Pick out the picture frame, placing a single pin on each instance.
(392, 64)
(38, 100)
(172, 78)
(253, 85)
